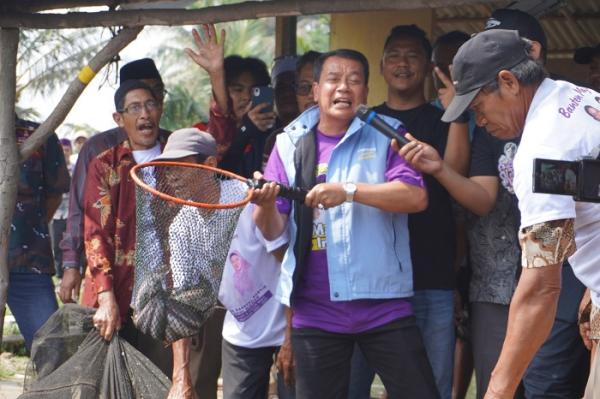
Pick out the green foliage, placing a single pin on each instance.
(50, 58)
(181, 110)
(313, 33)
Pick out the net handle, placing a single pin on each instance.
(179, 201)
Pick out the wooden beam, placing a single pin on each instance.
(590, 17)
(41, 5)
(230, 12)
(58, 115)
(9, 158)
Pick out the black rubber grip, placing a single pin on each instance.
(291, 193)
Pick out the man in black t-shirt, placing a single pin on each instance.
(405, 65)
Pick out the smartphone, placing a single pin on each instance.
(555, 177)
(262, 94)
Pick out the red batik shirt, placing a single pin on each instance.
(109, 226)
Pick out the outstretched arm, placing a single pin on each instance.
(478, 194)
(209, 55)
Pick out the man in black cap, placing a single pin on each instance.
(590, 56)
(72, 243)
(495, 75)
(553, 370)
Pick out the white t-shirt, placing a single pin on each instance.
(254, 318)
(558, 127)
(148, 155)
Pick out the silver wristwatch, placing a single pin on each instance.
(350, 189)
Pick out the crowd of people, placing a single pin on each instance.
(423, 264)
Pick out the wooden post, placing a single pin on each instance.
(285, 36)
(9, 153)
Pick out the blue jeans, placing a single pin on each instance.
(560, 367)
(434, 310)
(32, 301)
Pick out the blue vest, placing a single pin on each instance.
(368, 254)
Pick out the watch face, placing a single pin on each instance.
(350, 189)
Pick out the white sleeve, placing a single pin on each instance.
(272, 245)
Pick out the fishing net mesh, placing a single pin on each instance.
(186, 216)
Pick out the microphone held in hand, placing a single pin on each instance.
(291, 193)
(370, 117)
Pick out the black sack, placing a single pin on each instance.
(69, 359)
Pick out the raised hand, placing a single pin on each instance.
(209, 52)
(445, 94)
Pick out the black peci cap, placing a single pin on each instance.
(139, 69)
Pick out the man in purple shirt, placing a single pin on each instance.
(347, 273)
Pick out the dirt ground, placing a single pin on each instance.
(12, 371)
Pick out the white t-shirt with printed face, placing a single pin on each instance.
(254, 318)
(559, 127)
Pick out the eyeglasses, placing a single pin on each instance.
(136, 108)
(303, 89)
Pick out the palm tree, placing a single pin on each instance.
(50, 58)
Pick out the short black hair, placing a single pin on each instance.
(235, 65)
(411, 31)
(342, 53)
(310, 57)
(126, 87)
(452, 38)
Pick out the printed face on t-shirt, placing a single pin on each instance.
(341, 88)
(593, 112)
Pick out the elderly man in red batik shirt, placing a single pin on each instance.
(109, 224)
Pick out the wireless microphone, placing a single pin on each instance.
(370, 117)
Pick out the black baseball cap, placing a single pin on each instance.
(528, 26)
(584, 55)
(478, 62)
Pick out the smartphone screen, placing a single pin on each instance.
(555, 177)
(262, 94)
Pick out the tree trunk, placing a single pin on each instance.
(75, 89)
(9, 153)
